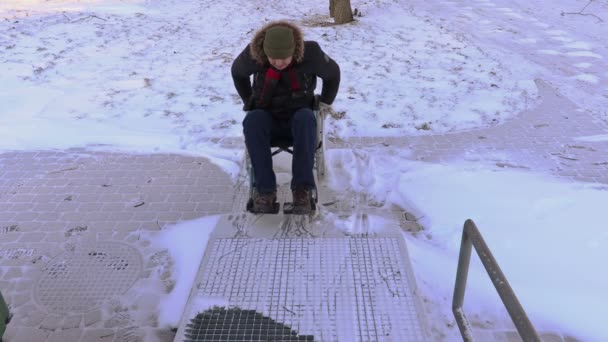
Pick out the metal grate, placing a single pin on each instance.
(80, 280)
(346, 289)
(220, 324)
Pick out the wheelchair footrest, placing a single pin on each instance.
(288, 208)
(276, 207)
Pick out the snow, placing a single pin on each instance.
(601, 137)
(186, 243)
(154, 77)
(583, 53)
(587, 78)
(583, 65)
(579, 45)
(547, 235)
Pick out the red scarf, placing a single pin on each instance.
(270, 81)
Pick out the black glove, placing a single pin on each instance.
(249, 105)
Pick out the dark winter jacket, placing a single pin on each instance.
(278, 93)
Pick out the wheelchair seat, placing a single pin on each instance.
(284, 144)
(281, 144)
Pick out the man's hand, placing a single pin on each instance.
(326, 109)
(249, 105)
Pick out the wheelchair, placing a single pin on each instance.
(286, 145)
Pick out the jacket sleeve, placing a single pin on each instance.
(242, 68)
(329, 71)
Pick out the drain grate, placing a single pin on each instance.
(224, 325)
(81, 280)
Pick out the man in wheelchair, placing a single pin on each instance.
(279, 106)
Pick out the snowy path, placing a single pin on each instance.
(570, 50)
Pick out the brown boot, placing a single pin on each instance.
(301, 201)
(264, 203)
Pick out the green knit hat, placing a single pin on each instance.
(279, 42)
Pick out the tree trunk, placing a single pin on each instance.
(343, 13)
(332, 8)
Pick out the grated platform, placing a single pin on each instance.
(322, 289)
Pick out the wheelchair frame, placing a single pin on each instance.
(319, 162)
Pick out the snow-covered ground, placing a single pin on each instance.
(154, 76)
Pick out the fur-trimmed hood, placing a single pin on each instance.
(256, 47)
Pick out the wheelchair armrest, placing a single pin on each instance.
(316, 105)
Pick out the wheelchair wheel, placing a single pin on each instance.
(320, 162)
(320, 152)
(250, 175)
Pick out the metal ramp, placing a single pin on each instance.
(287, 278)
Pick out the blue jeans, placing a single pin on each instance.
(259, 127)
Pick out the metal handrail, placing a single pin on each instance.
(471, 237)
